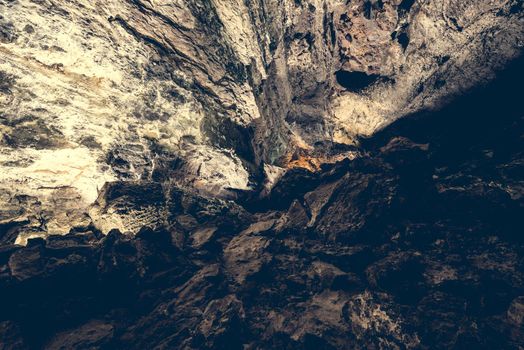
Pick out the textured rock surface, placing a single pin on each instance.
(205, 94)
(426, 252)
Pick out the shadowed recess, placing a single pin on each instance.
(357, 81)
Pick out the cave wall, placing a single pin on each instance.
(202, 94)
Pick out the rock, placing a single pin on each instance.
(202, 236)
(174, 320)
(347, 258)
(324, 274)
(402, 152)
(259, 227)
(319, 199)
(315, 321)
(92, 335)
(375, 326)
(11, 336)
(124, 206)
(376, 191)
(515, 312)
(28, 263)
(399, 274)
(295, 219)
(246, 255)
(222, 324)
(195, 210)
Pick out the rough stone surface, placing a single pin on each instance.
(217, 96)
(416, 244)
(267, 174)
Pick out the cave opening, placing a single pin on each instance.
(356, 81)
(405, 6)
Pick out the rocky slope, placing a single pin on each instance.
(416, 244)
(218, 96)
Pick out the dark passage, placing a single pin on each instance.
(405, 6)
(356, 81)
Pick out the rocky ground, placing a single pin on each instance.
(415, 244)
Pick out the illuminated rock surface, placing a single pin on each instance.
(207, 94)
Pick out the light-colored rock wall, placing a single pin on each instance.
(203, 92)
